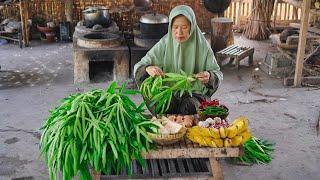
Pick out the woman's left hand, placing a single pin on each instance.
(203, 77)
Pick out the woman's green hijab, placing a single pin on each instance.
(192, 56)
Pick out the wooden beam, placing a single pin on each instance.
(69, 10)
(239, 13)
(312, 80)
(310, 29)
(302, 42)
(200, 152)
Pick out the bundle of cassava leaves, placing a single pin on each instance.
(101, 129)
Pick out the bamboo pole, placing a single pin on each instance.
(302, 42)
(69, 10)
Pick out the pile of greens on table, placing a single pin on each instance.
(159, 90)
(100, 129)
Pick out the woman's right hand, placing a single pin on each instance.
(154, 70)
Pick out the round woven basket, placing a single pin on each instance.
(166, 139)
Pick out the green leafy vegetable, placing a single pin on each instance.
(102, 129)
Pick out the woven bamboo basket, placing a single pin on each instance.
(167, 139)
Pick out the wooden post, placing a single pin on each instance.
(24, 21)
(275, 10)
(238, 23)
(216, 168)
(302, 42)
(222, 35)
(69, 10)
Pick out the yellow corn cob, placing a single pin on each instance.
(231, 131)
(222, 132)
(219, 142)
(227, 142)
(236, 141)
(214, 133)
(246, 135)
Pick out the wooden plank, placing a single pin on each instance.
(226, 49)
(285, 11)
(216, 169)
(154, 167)
(135, 169)
(190, 165)
(146, 168)
(314, 80)
(280, 10)
(239, 13)
(192, 153)
(163, 167)
(302, 42)
(171, 166)
(181, 167)
(310, 29)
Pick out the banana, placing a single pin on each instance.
(240, 126)
(231, 131)
(246, 135)
(222, 132)
(214, 133)
(209, 142)
(219, 142)
(236, 141)
(227, 142)
(205, 131)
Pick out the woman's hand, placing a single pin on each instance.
(203, 77)
(154, 70)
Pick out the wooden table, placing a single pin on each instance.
(184, 149)
(236, 53)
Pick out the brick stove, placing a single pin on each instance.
(96, 48)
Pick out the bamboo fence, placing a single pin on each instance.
(123, 12)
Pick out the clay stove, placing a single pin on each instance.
(101, 49)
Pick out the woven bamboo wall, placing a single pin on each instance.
(122, 10)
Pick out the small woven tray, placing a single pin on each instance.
(166, 139)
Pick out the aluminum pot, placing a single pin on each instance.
(96, 15)
(142, 3)
(154, 26)
(216, 6)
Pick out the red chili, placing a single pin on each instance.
(206, 103)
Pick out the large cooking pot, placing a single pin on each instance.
(96, 15)
(216, 6)
(153, 26)
(142, 3)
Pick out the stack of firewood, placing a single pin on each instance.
(258, 24)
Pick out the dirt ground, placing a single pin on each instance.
(33, 79)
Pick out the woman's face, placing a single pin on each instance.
(180, 28)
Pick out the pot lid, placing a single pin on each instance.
(154, 18)
(92, 9)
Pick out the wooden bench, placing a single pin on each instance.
(236, 53)
(174, 162)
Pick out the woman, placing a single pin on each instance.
(183, 48)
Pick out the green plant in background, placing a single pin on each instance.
(102, 129)
(158, 91)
